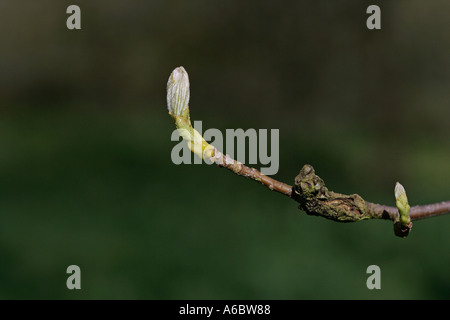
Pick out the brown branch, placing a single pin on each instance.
(309, 189)
(429, 210)
(416, 213)
(225, 161)
(315, 199)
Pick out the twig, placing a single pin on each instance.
(225, 161)
(378, 211)
(316, 199)
(309, 190)
(416, 213)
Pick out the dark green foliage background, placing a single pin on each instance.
(86, 176)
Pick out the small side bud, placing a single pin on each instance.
(178, 92)
(401, 201)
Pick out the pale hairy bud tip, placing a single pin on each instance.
(178, 91)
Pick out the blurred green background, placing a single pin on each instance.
(86, 176)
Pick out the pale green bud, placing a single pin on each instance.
(177, 104)
(178, 92)
(401, 201)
